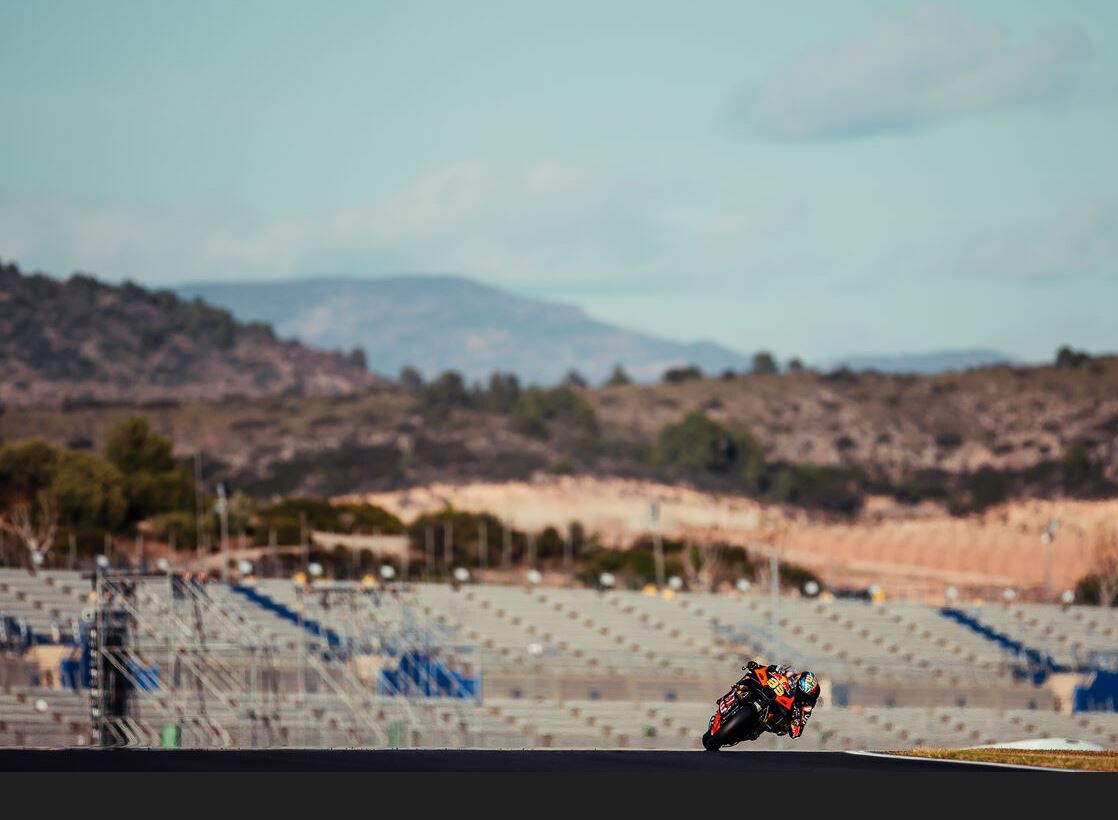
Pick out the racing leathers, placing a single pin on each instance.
(797, 718)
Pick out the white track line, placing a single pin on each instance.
(970, 762)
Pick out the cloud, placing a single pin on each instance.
(1081, 241)
(542, 224)
(909, 70)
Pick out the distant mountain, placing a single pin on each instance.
(82, 341)
(438, 323)
(936, 362)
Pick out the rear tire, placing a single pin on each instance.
(709, 743)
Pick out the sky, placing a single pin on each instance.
(816, 179)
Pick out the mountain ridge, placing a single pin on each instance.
(80, 340)
(439, 322)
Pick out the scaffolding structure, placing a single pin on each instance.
(176, 662)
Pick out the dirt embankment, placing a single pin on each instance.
(911, 551)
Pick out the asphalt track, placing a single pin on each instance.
(463, 760)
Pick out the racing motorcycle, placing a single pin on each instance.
(761, 700)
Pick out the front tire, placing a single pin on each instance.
(733, 730)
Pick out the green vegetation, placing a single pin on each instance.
(153, 482)
(83, 490)
(1088, 590)
(618, 377)
(764, 363)
(540, 413)
(678, 375)
(1081, 471)
(503, 393)
(697, 446)
(332, 471)
(820, 441)
(65, 493)
(285, 521)
(1069, 359)
(463, 530)
(410, 379)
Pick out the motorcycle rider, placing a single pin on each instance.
(805, 693)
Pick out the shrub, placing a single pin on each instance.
(678, 375)
(537, 411)
(464, 531)
(502, 394)
(832, 489)
(697, 445)
(1087, 591)
(930, 483)
(618, 377)
(763, 362)
(948, 440)
(574, 379)
(1080, 470)
(411, 379)
(987, 487)
(1069, 359)
(446, 393)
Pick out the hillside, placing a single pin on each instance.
(438, 323)
(938, 361)
(81, 340)
(822, 441)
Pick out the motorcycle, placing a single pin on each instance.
(761, 700)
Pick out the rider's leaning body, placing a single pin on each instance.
(805, 689)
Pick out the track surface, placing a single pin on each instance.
(459, 760)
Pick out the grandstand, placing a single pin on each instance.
(269, 663)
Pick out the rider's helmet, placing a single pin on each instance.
(807, 687)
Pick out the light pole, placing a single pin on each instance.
(430, 544)
(198, 524)
(1046, 538)
(222, 507)
(657, 542)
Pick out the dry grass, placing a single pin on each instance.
(1086, 761)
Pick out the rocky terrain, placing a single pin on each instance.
(823, 441)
